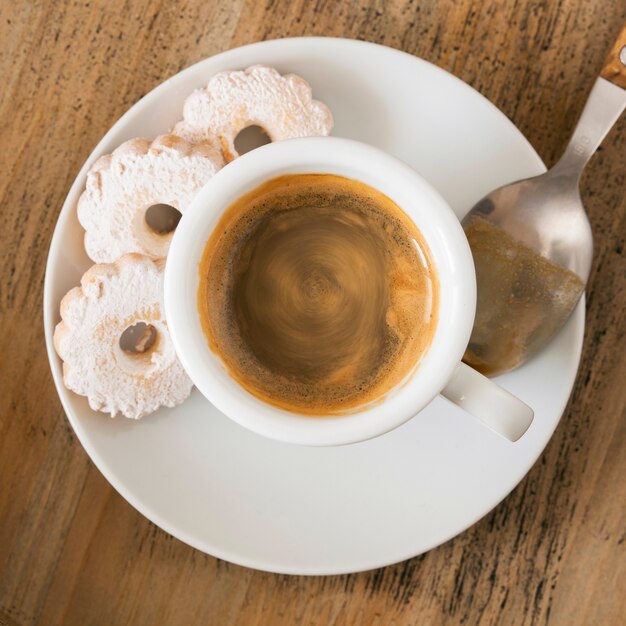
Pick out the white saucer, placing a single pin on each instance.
(300, 510)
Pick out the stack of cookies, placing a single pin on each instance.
(113, 337)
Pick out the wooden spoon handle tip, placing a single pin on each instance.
(614, 68)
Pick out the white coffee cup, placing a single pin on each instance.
(440, 370)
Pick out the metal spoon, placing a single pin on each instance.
(532, 243)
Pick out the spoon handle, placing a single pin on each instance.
(605, 104)
(614, 69)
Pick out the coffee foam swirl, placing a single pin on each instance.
(318, 293)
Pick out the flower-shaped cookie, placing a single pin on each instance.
(259, 96)
(123, 186)
(114, 341)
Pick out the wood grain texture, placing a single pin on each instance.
(72, 551)
(614, 68)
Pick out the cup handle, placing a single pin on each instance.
(495, 407)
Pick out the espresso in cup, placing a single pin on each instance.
(318, 293)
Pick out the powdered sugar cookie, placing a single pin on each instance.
(259, 96)
(122, 188)
(114, 342)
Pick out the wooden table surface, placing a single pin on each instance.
(72, 551)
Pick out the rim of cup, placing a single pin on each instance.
(432, 215)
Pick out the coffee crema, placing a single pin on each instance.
(318, 293)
